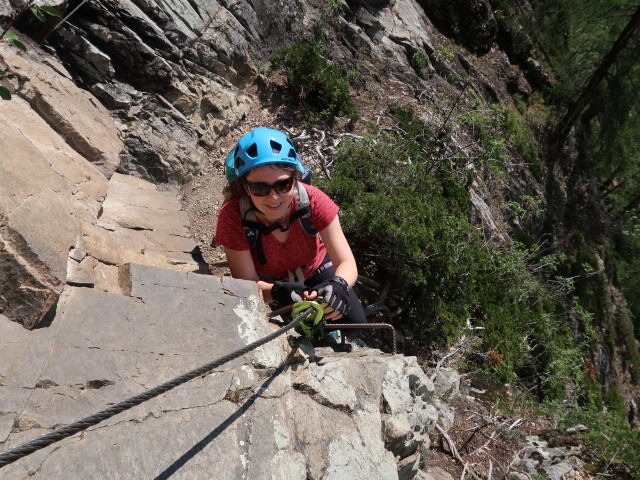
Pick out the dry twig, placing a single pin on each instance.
(455, 454)
(441, 362)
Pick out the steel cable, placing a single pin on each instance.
(43, 441)
(355, 326)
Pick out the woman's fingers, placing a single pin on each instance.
(310, 295)
(330, 313)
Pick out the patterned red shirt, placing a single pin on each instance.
(299, 250)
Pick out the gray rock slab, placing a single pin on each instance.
(140, 193)
(447, 383)
(81, 272)
(255, 417)
(69, 165)
(27, 293)
(435, 473)
(47, 188)
(118, 212)
(337, 445)
(102, 348)
(6, 425)
(558, 470)
(271, 437)
(73, 112)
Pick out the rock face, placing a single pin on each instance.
(257, 417)
(173, 72)
(471, 22)
(48, 187)
(65, 216)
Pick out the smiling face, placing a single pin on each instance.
(275, 207)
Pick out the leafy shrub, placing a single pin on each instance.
(406, 215)
(313, 81)
(611, 442)
(418, 63)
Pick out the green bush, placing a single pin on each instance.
(614, 446)
(406, 215)
(314, 82)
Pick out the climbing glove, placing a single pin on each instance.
(287, 293)
(335, 293)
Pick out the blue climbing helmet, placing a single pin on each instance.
(261, 146)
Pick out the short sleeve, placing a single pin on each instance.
(229, 230)
(323, 209)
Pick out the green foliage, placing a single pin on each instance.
(519, 136)
(487, 127)
(401, 202)
(314, 82)
(577, 37)
(610, 440)
(5, 94)
(425, 455)
(443, 52)
(418, 63)
(42, 12)
(610, 444)
(13, 39)
(628, 268)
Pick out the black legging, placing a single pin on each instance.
(356, 312)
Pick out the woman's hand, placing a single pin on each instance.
(333, 294)
(287, 293)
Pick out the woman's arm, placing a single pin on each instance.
(340, 252)
(342, 258)
(241, 266)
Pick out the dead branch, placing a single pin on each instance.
(464, 472)
(323, 161)
(369, 283)
(441, 362)
(455, 454)
(486, 444)
(483, 417)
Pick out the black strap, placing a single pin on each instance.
(262, 229)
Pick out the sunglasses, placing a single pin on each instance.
(262, 189)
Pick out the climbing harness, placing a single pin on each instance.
(61, 433)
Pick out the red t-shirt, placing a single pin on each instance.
(300, 249)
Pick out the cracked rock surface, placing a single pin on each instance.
(256, 417)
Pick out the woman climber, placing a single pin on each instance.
(283, 233)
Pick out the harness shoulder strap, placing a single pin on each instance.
(249, 221)
(253, 229)
(303, 210)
